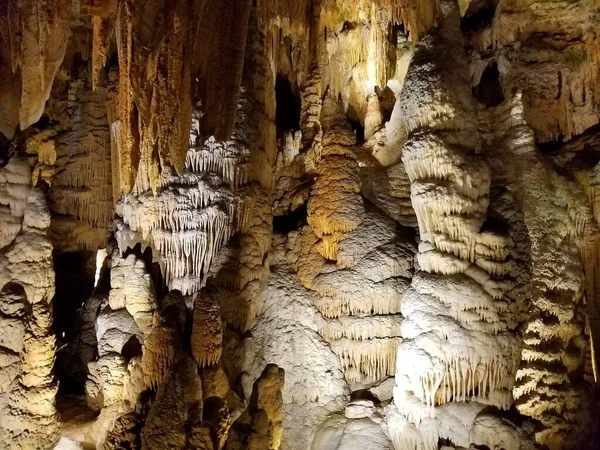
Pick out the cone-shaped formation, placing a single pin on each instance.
(207, 331)
(28, 418)
(458, 344)
(546, 384)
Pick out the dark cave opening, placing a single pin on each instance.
(131, 349)
(479, 14)
(551, 146)
(357, 127)
(287, 106)
(293, 220)
(489, 90)
(74, 283)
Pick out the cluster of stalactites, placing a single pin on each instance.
(33, 41)
(458, 344)
(195, 213)
(417, 16)
(74, 159)
(167, 55)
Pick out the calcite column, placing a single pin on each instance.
(28, 417)
(123, 323)
(549, 387)
(459, 352)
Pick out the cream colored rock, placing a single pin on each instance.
(28, 418)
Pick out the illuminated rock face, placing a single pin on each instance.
(460, 351)
(316, 225)
(29, 418)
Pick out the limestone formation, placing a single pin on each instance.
(460, 351)
(299, 225)
(28, 386)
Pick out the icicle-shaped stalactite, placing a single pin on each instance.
(240, 282)
(169, 54)
(28, 418)
(459, 350)
(193, 214)
(74, 159)
(548, 387)
(33, 41)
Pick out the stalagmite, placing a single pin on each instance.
(355, 297)
(178, 406)
(373, 117)
(335, 206)
(458, 351)
(207, 333)
(546, 387)
(266, 410)
(28, 416)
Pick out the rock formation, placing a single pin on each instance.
(299, 225)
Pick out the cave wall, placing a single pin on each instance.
(299, 225)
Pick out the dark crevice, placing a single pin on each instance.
(287, 109)
(293, 220)
(356, 124)
(131, 349)
(551, 146)
(73, 286)
(479, 14)
(489, 90)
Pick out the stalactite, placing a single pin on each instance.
(33, 42)
(195, 213)
(74, 159)
(240, 283)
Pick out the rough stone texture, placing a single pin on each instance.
(330, 224)
(460, 351)
(28, 416)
